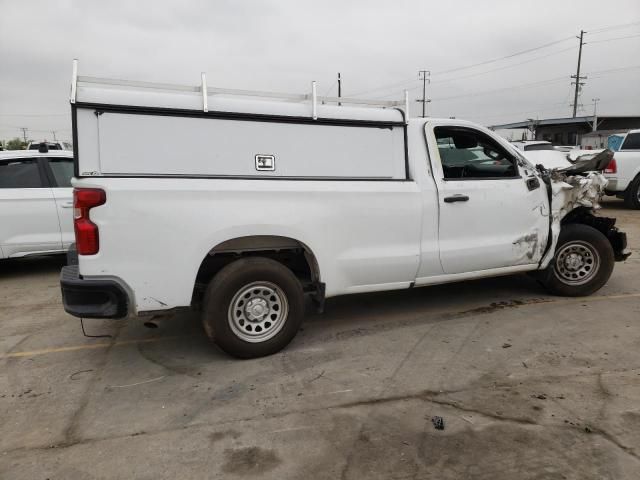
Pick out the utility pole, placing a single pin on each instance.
(53, 132)
(595, 113)
(533, 127)
(339, 87)
(424, 75)
(24, 133)
(577, 76)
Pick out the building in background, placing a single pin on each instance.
(589, 130)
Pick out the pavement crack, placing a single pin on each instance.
(70, 432)
(611, 439)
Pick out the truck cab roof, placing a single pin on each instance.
(9, 154)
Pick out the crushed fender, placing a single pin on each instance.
(578, 187)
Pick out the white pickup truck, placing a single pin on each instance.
(623, 172)
(241, 203)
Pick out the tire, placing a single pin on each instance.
(632, 194)
(582, 264)
(277, 300)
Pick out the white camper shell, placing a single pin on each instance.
(235, 135)
(241, 203)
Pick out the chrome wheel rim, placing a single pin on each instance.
(258, 311)
(577, 263)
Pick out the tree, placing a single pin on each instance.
(15, 144)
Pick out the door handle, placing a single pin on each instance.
(533, 183)
(456, 198)
(67, 205)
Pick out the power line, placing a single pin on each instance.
(505, 66)
(330, 88)
(548, 81)
(35, 114)
(485, 72)
(385, 87)
(506, 57)
(596, 73)
(522, 52)
(610, 27)
(498, 90)
(614, 38)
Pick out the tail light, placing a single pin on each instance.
(87, 237)
(612, 167)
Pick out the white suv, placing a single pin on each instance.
(36, 204)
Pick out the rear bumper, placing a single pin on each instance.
(92, 298)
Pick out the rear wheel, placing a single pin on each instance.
(632, 194)
(253, 307)
(582, 264)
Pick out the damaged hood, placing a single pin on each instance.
(573, 162)
(587, 162)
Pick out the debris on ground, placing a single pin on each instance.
(506, 345)
(438, 422)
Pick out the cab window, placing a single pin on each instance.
(62, 169)
(632, 142)
(469, 154)
(20, 173)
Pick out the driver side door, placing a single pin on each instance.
(493, 209)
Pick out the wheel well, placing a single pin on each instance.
(292, 253)
(604, 225)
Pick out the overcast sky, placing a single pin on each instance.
(282, 45)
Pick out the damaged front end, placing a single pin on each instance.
(574, 195)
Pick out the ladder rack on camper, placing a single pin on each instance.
(206, 92)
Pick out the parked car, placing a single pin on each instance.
(623, 172)
(36, 203)
(541, 152)
(248, 206)
(50, 145)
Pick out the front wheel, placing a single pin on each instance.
(253, 307)
(582, 264)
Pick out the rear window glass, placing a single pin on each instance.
(632, 142)
(20, 173)
(50, 146)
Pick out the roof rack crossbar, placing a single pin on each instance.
(74, 81)
(206, 92)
